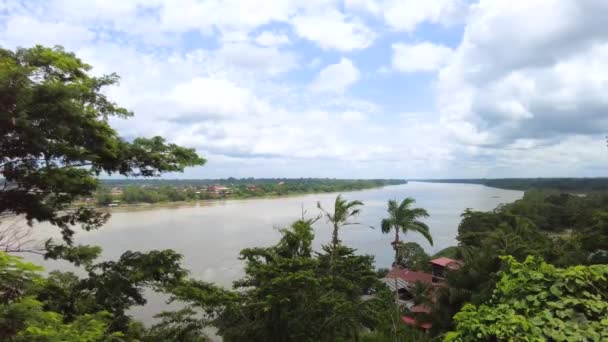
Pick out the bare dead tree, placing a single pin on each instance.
(16, 236)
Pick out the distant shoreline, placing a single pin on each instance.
(176, 204)
(573, 185)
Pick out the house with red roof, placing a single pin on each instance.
(403, 280)
(441, 266)
(426, 326)
(218, 189)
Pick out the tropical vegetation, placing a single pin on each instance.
(165, 191)
(532, 270)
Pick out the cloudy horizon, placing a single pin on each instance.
(348, 89)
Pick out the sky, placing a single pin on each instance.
(348, 89)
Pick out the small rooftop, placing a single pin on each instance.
(446, 262)
(410, 276)
(413, 322)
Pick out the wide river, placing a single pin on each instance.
(210, 234)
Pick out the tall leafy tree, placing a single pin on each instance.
(55, 138)
(288, 295)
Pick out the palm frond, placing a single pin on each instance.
(355, 203)
(386, 225)
(422, 229)
(419, 212)
(392, 207)
(406, 203)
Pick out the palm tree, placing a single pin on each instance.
(343, 211)
(404, 218)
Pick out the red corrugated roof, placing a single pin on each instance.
(413, 322)
(410, 276)
(443, 261)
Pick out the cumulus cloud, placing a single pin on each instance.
(268, 38)
(406, 15)
(26, 31)
(232, 79)
(215, 98)
(332, 29)
(267, 59)
(336, 77)
(517, 76)
(419, 57)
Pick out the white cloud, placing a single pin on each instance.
(406, 15)
(227, 16)
(268, 38)
(213, 98)
(332, 29)
(337, 77)
(515, 76)
(230, 78)
(419, 57)
(372, 6)
(267, 59)
(26, 31)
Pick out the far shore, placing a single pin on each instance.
(177, 204)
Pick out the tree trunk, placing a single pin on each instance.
(334, 237)
(334, 246)
(395, 267)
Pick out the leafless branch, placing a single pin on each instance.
(18, 237)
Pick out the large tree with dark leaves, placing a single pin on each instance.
(55, 138)
(289, 294)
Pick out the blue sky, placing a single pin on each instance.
(348, 89)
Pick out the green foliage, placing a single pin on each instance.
(535, 301)
(24, 317)
(179, 326)
(452, 252)
(289, 294)
(103, 196)
(111, 286)
(78, 255)
(25, 320)
(402, 219)
(55, 138)
(17, 278)
(266, 185)
(413, 257)
(343, 211)
(563, 229)
(175, 190)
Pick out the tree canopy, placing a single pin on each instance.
(535, 301)
(55, 138)
(289, 294)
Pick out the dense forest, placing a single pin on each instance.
(577, 185)
(132, 191)
(532, 270)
